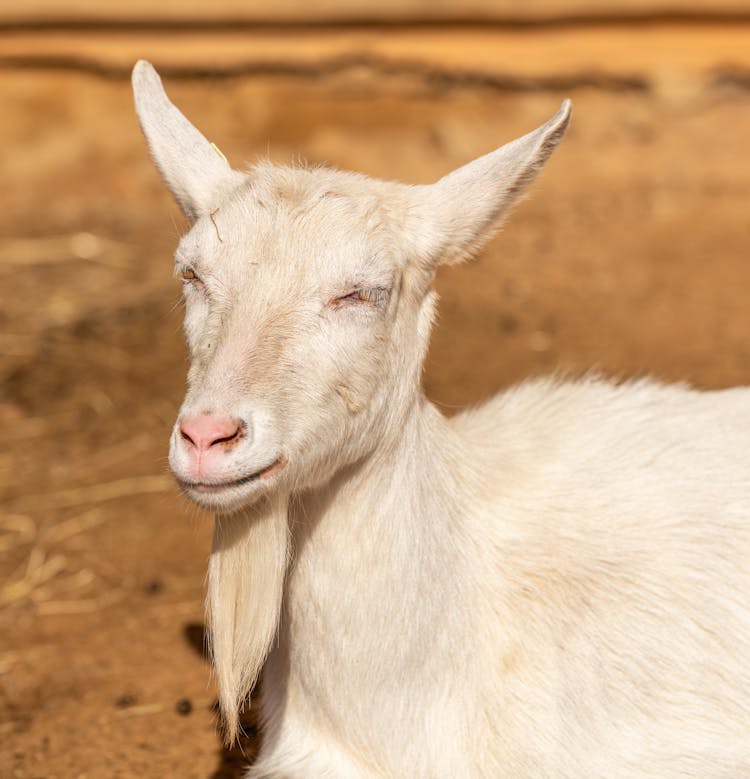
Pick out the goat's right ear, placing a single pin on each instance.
(195, 171)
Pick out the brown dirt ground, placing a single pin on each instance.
(631, 257)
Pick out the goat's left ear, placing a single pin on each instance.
(456, 216)
(195, 171)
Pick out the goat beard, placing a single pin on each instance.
(246, 575)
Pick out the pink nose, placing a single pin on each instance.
(206, 430)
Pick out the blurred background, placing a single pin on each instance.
(630, 257)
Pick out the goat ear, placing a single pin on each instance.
(461, 212)
(193, 168)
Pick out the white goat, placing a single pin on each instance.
(556, 584)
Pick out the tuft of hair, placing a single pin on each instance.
(246, 573)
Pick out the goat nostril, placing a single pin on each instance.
(228, 439)
(186, 437)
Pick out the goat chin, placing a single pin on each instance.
(245, 584)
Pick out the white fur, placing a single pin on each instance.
(552, 585)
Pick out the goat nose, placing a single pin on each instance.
(206, 430)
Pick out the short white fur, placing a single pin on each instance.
(555, 584)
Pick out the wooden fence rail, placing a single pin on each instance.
(622, 44)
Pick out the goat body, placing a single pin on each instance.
(554, 584)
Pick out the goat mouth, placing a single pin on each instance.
(208, 487)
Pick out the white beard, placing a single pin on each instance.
(246, 574)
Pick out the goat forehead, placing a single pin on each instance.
(319, 237)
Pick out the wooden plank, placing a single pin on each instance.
(35, 12)
(526, 58)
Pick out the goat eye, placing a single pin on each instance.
(375, 296)
(187, 274)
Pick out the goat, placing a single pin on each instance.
(554, 584)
